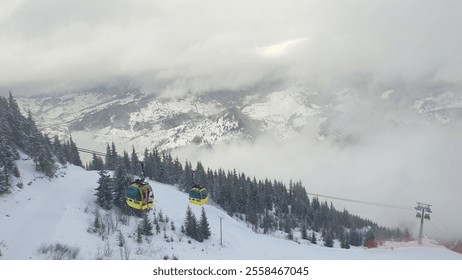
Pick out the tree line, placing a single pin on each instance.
(20, 133)
(266, 205)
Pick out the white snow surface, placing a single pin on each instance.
(61, 210)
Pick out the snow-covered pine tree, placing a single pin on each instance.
(74, 153)
(112, 158)
(38, 146)
(252, 204)
(42, 155)
(167, 171)
(328, 239)
(267, 222)
(135, 165)
(190, 223)
(121, 181)
(120, 239)
(299, 201)
(355, 238)
(16, 123)
(96, 163)
(4, 184)
(199, 174)
(104, 190)
(204, 227)
(139, 233)
(8, 152)
(186, 178)
(288, 228)
(126, 162)
(313, 238)
(177, 171)
(304, 231)
(58, 150)
(146, 228)
(345, 241)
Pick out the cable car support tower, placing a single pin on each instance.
(423, 212)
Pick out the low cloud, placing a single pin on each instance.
(179, 47)
(395, 165)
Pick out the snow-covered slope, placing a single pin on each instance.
(61, 210)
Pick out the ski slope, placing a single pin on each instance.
(62, 209)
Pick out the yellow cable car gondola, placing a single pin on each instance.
(198, 195)
(139, 195)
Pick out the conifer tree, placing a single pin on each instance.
(139, 233)
(4, 185)
(135, 165)
(190, 223)
(345, 241)
(74, 153)
(204, 227)
(8, 152)
(187, 177)
(121, 181)
(112, 158)
(38, 146)
(313, 238)
(104, 190)
(355, 238)
(58, 150)
(96, 163)
(126, 162)
(120, 239)
(328, 239)
(16, 123)
(195, 234)
(97, 220)
(304, 232)
(146, 228)
(267, 223)
(288, 229)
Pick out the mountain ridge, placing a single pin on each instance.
(150, 121)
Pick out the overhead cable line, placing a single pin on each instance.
(445, 227)
(315, 194)
(88, 151)
(402, 207)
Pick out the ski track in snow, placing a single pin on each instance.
(59, 210)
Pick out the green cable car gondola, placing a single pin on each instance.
(198, 195)
(139, 195)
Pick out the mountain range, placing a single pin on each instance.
(146, 120)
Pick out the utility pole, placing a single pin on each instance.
(221, 230)
(423, 212)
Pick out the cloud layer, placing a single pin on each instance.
(182, 46)
(401, 165)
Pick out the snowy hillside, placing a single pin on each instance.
(61, 210)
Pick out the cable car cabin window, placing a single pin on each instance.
(203, 193)
(133, 193)
(195, 194)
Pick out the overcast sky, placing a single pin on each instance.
(173, 47)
